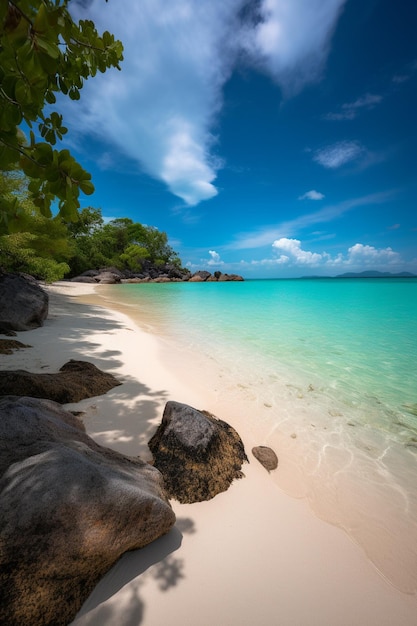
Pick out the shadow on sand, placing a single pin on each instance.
(156, 560)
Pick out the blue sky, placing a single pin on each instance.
(272, 138)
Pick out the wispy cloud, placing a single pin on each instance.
(312, 195)
(292, 39)
(408, 72)
(265, 236)
(350, 110)
(338, 154)
(161, 108)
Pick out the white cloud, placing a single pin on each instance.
(161, 108)
(361, 254)
(292, 257)
(295, 253)
(312, 195)
(215, 258)
(357, 257)
(338, 154)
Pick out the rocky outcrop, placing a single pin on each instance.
(198, 454)
(200, 276)
(69, 509)
(23, 304)
(75, 381)
(266, 457)
(152, 274)
(104, 276)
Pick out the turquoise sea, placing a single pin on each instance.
(324, 371)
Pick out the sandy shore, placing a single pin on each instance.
(252, 555)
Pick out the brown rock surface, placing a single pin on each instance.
(198, 454)
(69, 509)
(266, 456)
(75, 381)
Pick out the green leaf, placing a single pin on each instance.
(49, 47)
(87, 187)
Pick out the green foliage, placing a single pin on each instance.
(121, 243)
(42, 52)
(134, 256)
(18, 254)
(50, 248)
(32, 243)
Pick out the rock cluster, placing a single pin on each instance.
(69, 509)
(198, 455)
(152, 274)
(75, 381)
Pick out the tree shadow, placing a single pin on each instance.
(124, 579)
(125, 418)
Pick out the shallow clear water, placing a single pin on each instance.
(326, 371)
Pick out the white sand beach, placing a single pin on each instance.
(252, 555)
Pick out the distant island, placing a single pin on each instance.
(368, 274)
(375, 274)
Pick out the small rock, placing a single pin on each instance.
(266, 457)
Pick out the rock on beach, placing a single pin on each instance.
(69, 509)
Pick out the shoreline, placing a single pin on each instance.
(252, 554)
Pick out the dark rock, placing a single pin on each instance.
(8, 345)
(266, 457)
(84, 279)
(151, 273)
(204, 275)
(69, 509)
(23, 303)
(198, 454)
(75, 381)
(108, 278)
(113, 270)
(229, 277)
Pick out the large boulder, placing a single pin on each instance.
(69, 509)
(23, 303)
(108, 278)
(230, 277)
(198, 454)
(75, 381)
(84, 279)
(200, 276)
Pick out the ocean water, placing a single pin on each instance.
(325, 372)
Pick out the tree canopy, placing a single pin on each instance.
(44, 52)
(121, 243)
(53, 248)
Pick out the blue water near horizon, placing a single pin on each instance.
(328, 369)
